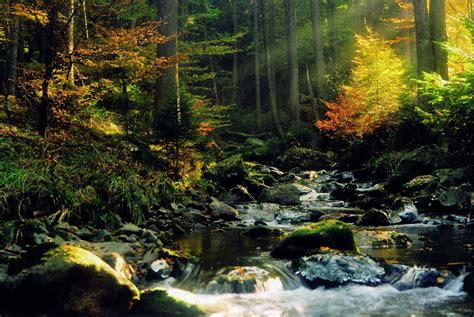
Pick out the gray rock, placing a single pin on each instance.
(450, 200)
(335, 269)
(284, 194)
(420, 161)
(374, 217)
(223, 211)
(406, 210)
(128, 229)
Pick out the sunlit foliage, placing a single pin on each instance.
(372, 96)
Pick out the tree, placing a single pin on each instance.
(372, 97)
(319, 64)
(166, 89)
(292, 51)
(12, 60)
(256, 29)
(439, 36)
(235, 59)
(424, 45)
(358, 15)
(269, 39)
(71, 12)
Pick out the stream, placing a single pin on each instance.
(236, 276)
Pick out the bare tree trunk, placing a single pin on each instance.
(70, 40)
(408, 52)
(369, 14)
(319, 63)
(51, 45)
(84, 16)
(256, 30)
(13, 54)
(331, 4)
(314, 103)
(268, 18)
(358, 15)
(235, 63)
(424, 45)
(292, 51)
(439, 36)
(166, 83)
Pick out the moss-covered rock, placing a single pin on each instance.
(423, 182)
(69, 280)
(304, 158)
(383, 239)
(284, 194)
(328, 233)
(232, 171)
(420, 161)
(158, 302)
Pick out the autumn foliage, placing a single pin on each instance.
(372, 97)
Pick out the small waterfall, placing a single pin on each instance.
(457, 284)
(416, 277)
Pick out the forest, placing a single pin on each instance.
(236, 158)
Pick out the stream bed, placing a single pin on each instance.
(236, 276)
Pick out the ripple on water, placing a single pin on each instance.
(352, 300)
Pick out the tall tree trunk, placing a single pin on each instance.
(424, 45)
(235, 63)
(13, 54)
(319, 63)
(51, 44)
(358, 15)
(369, 13)
(332, 34)
(407, 45)
(167, 84)
(292, 51)
(439, 36)
(84, 16)
(71, 11)
(269, 61)
(258, 98)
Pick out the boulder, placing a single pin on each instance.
(335, 269)
(232, 171)
(158, 302)
(240, 280)
(450, 200)
(427, 183)
(383, 239)
(237, 194)
(305, 240)
(69, 280)
(406, 210)
(223, 211)
(420, 161)
(343, 192)
(129, 229)
(374, 217)
(450, 177)
(306, 159)
(284, 194)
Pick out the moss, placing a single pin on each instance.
(328, 233)
(71, 280)
(158, 302)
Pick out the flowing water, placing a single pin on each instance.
(237, 277)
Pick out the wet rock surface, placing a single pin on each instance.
(336, 269)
